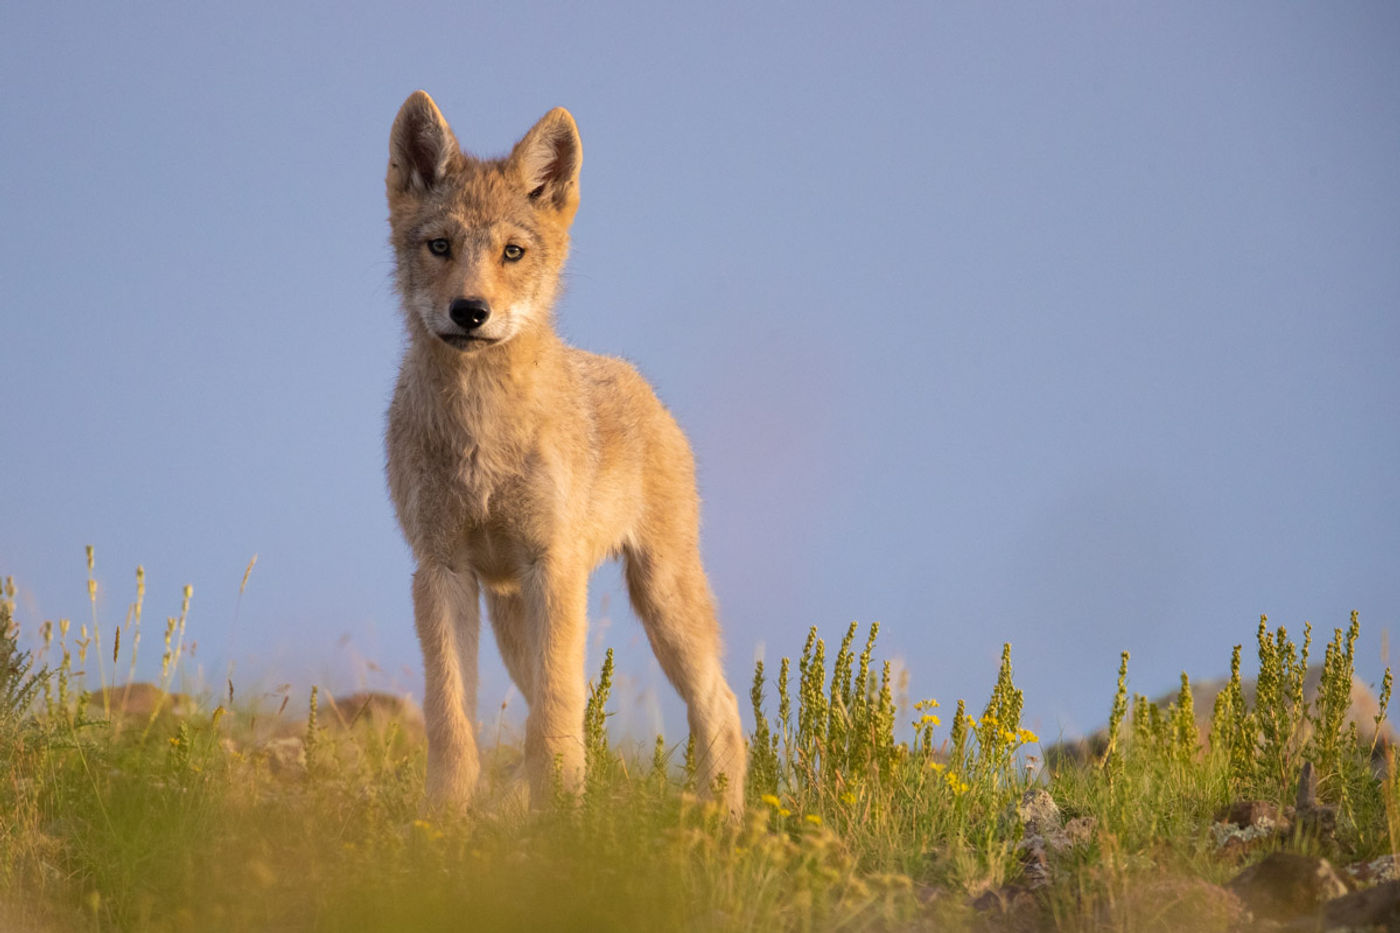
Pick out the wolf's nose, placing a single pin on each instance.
(469, 313)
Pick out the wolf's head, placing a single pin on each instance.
(479, 243)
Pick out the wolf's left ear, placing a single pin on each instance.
(546, 162)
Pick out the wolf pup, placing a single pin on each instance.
(517, 464)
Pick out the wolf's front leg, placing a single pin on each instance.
(447, 615)
(556, 608)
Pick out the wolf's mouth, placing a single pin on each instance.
(463, 341)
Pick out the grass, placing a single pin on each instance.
(201, 815)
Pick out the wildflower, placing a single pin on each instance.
(937, 767)
(848, 798)
(813, 819)
(784, 811)
(929, 719)
(1027, 737)
(428, 830)
(771, 800)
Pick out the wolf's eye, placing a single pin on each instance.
(513, 252)
(439, 247)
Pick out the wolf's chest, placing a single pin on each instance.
(480, 479)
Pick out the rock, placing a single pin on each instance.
(374, 708)
(1307, 787)
(1245, 813)
(1385, 868)
(1035, 864)
(1078, 831)
(1236, 842)
(1239, 827)
(1286, 885)
(286, 757)
(926, 893)
(1173, 905)
(1316, 822)
(1245, 824)
(1008, 909)
(1045, 834)
(1077, 751)
(1038, 813)
(138, 701)
(1371, 908)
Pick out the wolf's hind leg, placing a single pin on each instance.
(671, 595)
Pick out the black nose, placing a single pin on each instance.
(469, 313)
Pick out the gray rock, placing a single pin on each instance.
(1038, 813)
(1044, 833)
(1385, 868)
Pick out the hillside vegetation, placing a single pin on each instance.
(126, 806)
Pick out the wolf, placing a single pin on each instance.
(517, 464)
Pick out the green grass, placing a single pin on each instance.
(187, 819)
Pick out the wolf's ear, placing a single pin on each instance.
(421, 146)
(545, 163)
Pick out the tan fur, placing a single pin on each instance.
(517, 464)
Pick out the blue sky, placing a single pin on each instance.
(1074, 326)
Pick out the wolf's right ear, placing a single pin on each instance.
(421, 146)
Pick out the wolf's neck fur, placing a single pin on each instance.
(489, 405)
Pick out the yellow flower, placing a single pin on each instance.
(813, 819)
(784, 811)
(429, 831)
(771, 800)
(1027, 736)
(848, 798)
(929, 719)
(937, 767)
